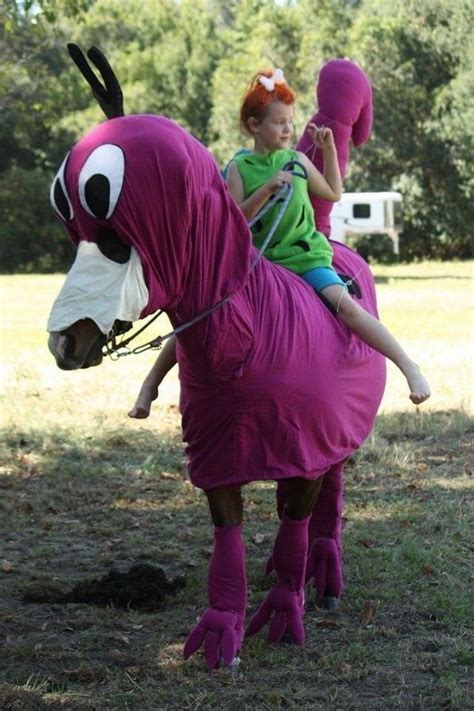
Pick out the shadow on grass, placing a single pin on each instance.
(77, 503)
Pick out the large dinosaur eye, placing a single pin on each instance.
(101, 180)
(58, 194)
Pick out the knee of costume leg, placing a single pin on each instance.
(301, 497)
(281, 494)
(225, 505)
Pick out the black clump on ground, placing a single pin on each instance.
(143, 586)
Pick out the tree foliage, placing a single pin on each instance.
(192, 60)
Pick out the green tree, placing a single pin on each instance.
(192, 60)
(31, 238)
(32, 99)
(419, 57)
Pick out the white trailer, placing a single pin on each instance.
(368, 213)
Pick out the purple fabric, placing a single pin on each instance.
(344, 96)
(272, 384)
(325, 569)
(220, 628)
(221, 634)
(289, 554)
(303, 397)
(326, 518)
(324, 565)
(227, 577)
(285, 601)
(284, 607)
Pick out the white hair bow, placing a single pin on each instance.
(269, 82)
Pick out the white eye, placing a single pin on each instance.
(58, 194)
(101, 180)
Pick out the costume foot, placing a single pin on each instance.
(325, 568)
(269, 566)
(419, 387)
(330, 603)
(142, 407)
(222, 634)
(288, 606)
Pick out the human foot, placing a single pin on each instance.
(419, 386)
(142, 406)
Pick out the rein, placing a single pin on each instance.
(120, 349)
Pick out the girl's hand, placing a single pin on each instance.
(278, 180)
(322, 137)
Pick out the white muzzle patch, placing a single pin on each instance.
(99, 289)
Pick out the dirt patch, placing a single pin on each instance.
(143, 587)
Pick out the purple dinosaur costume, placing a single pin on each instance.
(273, 386)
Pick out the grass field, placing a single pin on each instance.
(83, 488)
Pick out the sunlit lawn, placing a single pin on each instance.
(429, 307)
(84, 488)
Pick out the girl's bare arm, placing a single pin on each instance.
(327, 185)
(252, 204)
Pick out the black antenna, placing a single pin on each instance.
(109, 97)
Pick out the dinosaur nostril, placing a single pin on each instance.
(66, 346)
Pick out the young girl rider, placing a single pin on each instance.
(267, 116)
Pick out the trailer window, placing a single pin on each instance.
(361, 210)
(397, 215)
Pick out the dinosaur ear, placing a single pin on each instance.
(109, 96)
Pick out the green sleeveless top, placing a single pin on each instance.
(296, 244)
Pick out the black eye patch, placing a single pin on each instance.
(112, 246)
(97, 195)
(60, 201)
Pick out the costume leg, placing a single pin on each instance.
(221, 627)
(281, 493)
(325, 539)
(324, 566)
(285, 601)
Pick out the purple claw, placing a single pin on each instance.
(288, 607)
(221, 632)
(325, 568)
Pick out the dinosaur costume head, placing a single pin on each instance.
(344, 97)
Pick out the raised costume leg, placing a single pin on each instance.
(221, 626)
(285, 601)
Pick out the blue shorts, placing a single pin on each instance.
(321, 277)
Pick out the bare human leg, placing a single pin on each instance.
(375, 334)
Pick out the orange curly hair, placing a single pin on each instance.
(257, 100)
